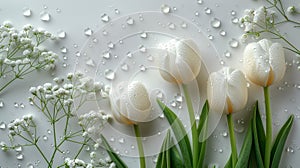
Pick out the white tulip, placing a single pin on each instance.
(182, 61)
(227, 90)
(130, 103)
(264, 62)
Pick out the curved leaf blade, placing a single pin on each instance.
(202, 126)
(246, 149)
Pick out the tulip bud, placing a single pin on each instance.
(130, 103)
(227, 90)
(264, 62)
(181, 63)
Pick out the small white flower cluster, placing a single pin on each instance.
(23, 48)
(73, 163)
(292, 10)
(254, 19)
(3, 146)
(93, 122)
(19, 125)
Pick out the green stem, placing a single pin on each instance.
(193, 125)
(8, 83)
(268, 127)
(232, 140)
(140, 146)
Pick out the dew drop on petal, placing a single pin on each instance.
(27, 12)
(129, 54)
(105, 18)
(165, 9)
(179, 98)
(215, 23)
(142, 68)
(130, 21)
(210, 37)
(233, 43)
(172, 26)
(77, 53)
(142, 49)
(227, 54)
(109, 74)
(183, 25)
(30, 165)
(199, 1)
(121, 140)
(117, 11)
(88, 32)
(45, 16)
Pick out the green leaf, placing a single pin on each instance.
(176, 160)
(180, 134)
(164, 158)
(114, 157)
(259, 138)
(280, 141)
(246, 149)
(202, 126)
(229, 162)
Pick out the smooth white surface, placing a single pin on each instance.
(75, 16)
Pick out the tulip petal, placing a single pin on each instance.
(237, 89)
(256, 64)
(277, 61)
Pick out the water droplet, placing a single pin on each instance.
(183, 25)
(2, 126)
(77, 53)
(220, 150)
(88, 32)
(109, 74)
(1, 104)
(160, 95)
(144, 35)
(27, 12)
(210, 37)
(172, 26)
(130, 21)
(227, 54)
(124, 67)
(142, 49)
(18, 149)
(165, 9)
(222, 62)
(20, 156)
(129, 54)
(223, 33)
(30, 165)
(207, 11)
(49, 131)
(240, 126)
(150, 58)
(58, 10)
(234, 20)
(132, 147)
(110, 45)
(90, 62)
(61, 34)
(142, 68)
(233, 43)
(45, 138)
(224, 134)
(63, 50)
(179, 98)
(45, 16)
(173, 103)
(199, 1)
(107, 55)
(215, 23)
(16, 105)
(112, 139)
(121, 140)
(105, 18)
(197, 13)
(117, 11)
(290, 149)
(162, 116)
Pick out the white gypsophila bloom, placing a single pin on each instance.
(264, 62)
(253, 19)
(181, 63)
(291, 10)
(227, 90)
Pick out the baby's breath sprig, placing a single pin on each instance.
(56, 102)
(21, 52)
(266, 19)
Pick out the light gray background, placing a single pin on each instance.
(75, 16)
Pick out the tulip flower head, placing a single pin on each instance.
(182, 61)
(264, 62)
(130, 103)
(227, 90)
